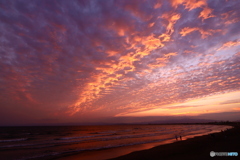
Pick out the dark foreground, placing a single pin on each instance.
(197, 148)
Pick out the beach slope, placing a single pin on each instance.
(197, 148)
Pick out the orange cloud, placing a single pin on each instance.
(187, 30)
(111, 53)
(137, 38)
(100, 83)
(204, 64)
(230, 17)
(206, 13)
(121, 32)
(157, 5)
(170, 54)
(172, 19)
(152, 43)
(193, 4)
(162, 61)
(229, 44)
(235, 20)
(189, 4)
(157, 65)
(214, 82)
(151, 24)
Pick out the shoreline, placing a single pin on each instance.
(125, 152)
(197, 148)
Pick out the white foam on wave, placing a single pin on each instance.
(13, 140)
(134, 136)
(15, 145)
(82, 137)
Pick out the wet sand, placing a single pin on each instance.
(197, 148)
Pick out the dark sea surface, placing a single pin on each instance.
(23, 143)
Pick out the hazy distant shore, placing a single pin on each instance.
(197, 148)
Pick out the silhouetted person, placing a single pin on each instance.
(176, 137)
(180, 137)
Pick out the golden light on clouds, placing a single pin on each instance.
(82, 61)
(211, 104)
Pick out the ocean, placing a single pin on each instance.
(91, 142)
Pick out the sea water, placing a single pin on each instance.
(54, 142)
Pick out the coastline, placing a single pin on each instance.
(136, 151)
(197, 148)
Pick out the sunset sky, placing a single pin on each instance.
(89, 60)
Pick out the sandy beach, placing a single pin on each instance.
(197, 148)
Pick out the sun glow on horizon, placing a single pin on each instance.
(225, 102)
